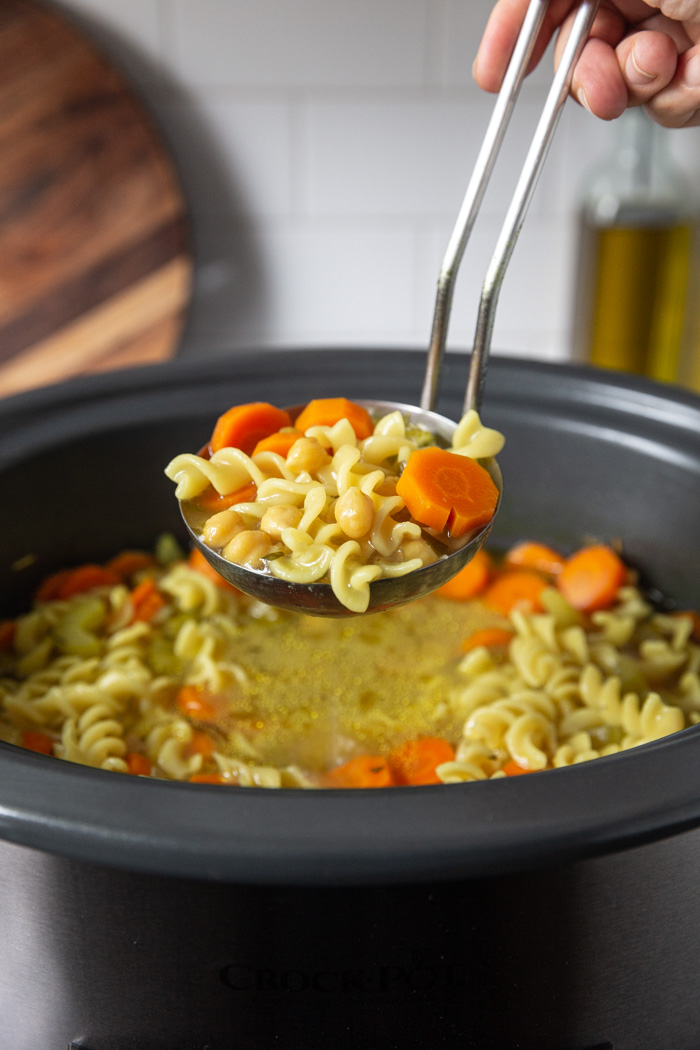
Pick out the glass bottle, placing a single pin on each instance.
(637, 233)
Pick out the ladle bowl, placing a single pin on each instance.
(318, 598)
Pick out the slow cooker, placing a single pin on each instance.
(552, 912)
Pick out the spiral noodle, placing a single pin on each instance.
(227, 470)
(167, 745)
(192, 592)
(473, 439)
(387, 533)
(96, 738)
(350, 579)
(641, 719)
(473, 761)
(203, 647)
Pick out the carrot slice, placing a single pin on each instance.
(127, 563)
(199, 563)
(8, 629)
(48, 589)
(33, 740)
(469, 581)
(198, 703)
(244, 425)
(146, 600)
(209, 778)
(591, 578)
(367, 771)
(211, 501)
(281, 442)
(137, 764)
(416, 761)
(512, 769)
(491, 637)
(517, 589)
(536, 556)
(69, 582)
(201, 744)
(85, 578)
(326, 411)
(446, 492)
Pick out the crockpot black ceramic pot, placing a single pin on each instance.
(552, 912)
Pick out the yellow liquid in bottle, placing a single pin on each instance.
(633, 292)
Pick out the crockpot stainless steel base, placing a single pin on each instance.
(596, 954)
(552, 912)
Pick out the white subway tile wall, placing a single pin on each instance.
(325, 148)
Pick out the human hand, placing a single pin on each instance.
(638, 54)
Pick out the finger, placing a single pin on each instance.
(635, 11)
(609, 25)
(501, 33)
(647, 63)
(674, 10)
(678, 10)
(598, 83)
(677, 31)
(497, 43)
(678, 104)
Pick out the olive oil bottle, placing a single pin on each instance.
(635, 279)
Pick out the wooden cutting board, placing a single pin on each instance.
(95, 268)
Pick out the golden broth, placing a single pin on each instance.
(320, 691)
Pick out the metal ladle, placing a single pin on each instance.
(318, 598)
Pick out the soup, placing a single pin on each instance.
(153, 665)
(335, 496)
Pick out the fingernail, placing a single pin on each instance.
(581, 96)
(692, 71)
(635, 72)
(474, 65)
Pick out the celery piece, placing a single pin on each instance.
(161, 657)
(168, 550)
(75, 631)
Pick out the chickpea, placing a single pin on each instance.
(307, 454)
(354, 512)
(276, 519)
(418, 549)
(249, 548)
(222, 527)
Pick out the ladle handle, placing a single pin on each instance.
(485, 161)
(515, 216)
(478, 182)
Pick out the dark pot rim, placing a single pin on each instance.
(344, 837)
